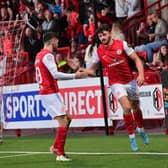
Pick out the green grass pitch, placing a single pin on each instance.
(114, 152)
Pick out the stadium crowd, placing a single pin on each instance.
(23, 23)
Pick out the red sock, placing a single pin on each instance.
(56, 141)
(129, 123)
(138, 119)
(60, 139)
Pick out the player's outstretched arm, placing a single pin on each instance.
(49, 62)
(80, 74)
(90, 71)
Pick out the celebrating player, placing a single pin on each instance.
(46, 76)
(114, 56)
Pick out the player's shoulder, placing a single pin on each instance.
(116, 41)
(101, 49)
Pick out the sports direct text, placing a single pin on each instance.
(80, 102)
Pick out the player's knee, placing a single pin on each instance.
(127, 110)
(136, 108)
(67, 120)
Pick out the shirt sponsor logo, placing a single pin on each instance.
(116, 63)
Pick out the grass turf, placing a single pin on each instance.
(99, 143)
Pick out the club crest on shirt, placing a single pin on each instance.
(119, 52)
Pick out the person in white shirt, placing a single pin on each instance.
(132, 7)
(120, 10)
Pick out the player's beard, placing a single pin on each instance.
(106, 41)
(55, 47)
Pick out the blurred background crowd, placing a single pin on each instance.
(23, 23)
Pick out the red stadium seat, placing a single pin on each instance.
(142, 55)
(151, 77)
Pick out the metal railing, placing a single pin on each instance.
(131, 24)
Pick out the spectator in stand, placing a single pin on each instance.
(7, 42)
(74, 45)
(76, 49)
(120, 10)
(160, 59)
(6, 11)
(13, 8)
(74, 3)
(31, 17)
(74, 27)
(10, 11)
(31, 44)
(160, 29)
(132, 7)
(89, 30)
(49, 24)
(62, 63)
(55, 7)
(108, 3)
(117, 32)
(4, 16)
(90, 51)
(40, 9)
(145, 29)
(150, 47)
(104, 16)
(85, 8)
(40, 12)
(75, 63)
(70, 65)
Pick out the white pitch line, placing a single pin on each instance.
(11, 156)
(89, 153)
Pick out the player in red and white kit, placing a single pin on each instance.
(46, 76)
(114, 56)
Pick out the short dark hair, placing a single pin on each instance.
(104, 27)
(165, 44)
(48, 36)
